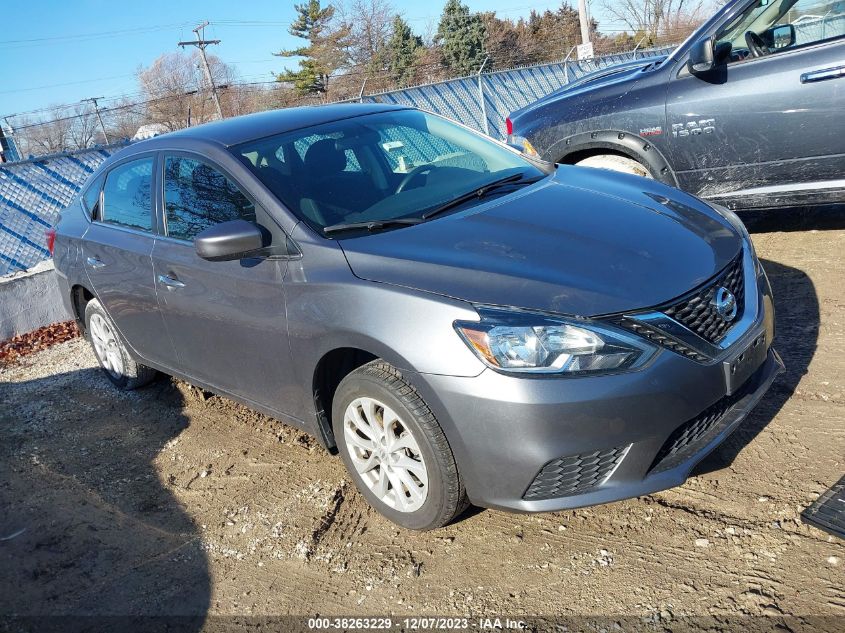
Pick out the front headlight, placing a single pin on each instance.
(524, 342)
(522, 142)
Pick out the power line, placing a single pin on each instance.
(39, 41)
(61, 85)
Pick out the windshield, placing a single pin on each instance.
(379, 167)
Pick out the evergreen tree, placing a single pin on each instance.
(325, 52)
(461, 36)
(403, 52)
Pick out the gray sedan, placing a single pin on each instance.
(462, 324)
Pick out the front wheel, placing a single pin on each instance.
(614, 162)
(395, 450)
(111, 353)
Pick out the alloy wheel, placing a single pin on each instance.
(385, 454)
(106, 345)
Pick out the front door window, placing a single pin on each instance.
(771, 27)
(198, 196)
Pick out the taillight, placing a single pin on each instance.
(509, 126)
(50, 234)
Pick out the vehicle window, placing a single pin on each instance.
(302, 146)
(127, 194)
(381, 166)
(772, 26)
(91, 197)
(197, 196)
(816, 21)
(406, 147)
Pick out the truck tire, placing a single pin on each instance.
(614, 162)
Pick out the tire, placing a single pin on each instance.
(614, 162)
(430, 493)
(110, 350)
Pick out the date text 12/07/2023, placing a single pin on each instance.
(416, 624)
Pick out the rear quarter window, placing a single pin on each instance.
(91, 197)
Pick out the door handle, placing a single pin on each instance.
(95, 262)
(170, 282)
(823, 75)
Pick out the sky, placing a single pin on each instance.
(63, 51)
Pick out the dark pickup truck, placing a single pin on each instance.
(748, 112)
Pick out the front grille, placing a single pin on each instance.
(574, 474)
(696, 310)
(690, 436)
(660, 338)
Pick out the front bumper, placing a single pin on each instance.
(550, 443)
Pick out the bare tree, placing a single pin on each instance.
(174, 85)
(46, 136)
(84, 131)
(124, 118)
(369, 30)
(658, 20)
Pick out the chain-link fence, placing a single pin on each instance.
(33, 192)
(483, 102)
(817, 28)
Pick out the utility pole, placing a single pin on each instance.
(584, 17)
(99, 118)
(201, 43)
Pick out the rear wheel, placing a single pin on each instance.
(614, 162)
(111, 352)
(395, 450)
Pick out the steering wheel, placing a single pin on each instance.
(416, 171)
(756, 45)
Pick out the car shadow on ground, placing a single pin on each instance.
(797, 320)
(86, 526)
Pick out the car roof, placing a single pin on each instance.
(261, 124)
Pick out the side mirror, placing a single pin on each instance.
(228, 241)
(779, 36)
(702, 58)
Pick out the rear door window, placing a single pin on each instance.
(127, 195)
(198, 196)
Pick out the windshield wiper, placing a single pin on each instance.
(371, 226)
(480, 192)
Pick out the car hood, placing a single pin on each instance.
(581, 242)
(611, 75)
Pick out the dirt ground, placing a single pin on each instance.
(171, 501)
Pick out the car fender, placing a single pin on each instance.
(617, 141)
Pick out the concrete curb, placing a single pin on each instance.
(30, 300)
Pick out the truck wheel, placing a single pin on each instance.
(395, 450)
(110, 350)
(614, 162)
